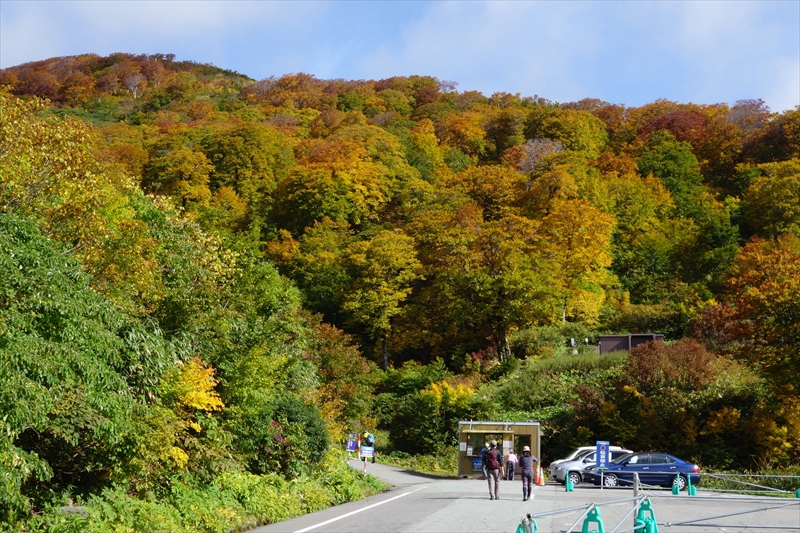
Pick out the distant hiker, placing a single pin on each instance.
(369, 440)
(494, 462)
(526, 465)
(483, 460)
(511, 465)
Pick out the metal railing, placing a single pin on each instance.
(732, 478)
(590, 511)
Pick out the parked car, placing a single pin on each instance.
(653, 468)
(575, 455)
(573, 470)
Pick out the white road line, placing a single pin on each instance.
(356, 511)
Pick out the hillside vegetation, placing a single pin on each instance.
(207, 281)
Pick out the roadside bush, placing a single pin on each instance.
(281, 437)
(234, 501)
(442, 463)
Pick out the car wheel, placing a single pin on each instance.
(610, 480)
(680, 481)
(574, 477)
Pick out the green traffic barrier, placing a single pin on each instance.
(569, 486)
(691, 488)
(646, 518)
(528, 525)
(593, 518)
(797, 494)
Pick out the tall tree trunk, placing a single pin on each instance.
(385, 348)
(505, 349)
(501, 343)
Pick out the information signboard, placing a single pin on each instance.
(367, 451)
(352, 442)
(477, 464)
(603, 454)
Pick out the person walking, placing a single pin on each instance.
(369, 440)
(511, 465)
(527, 466)
(494, 462)
(483, 460)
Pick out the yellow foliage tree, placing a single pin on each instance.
(575, 242)
(49, 173)
(187, 389)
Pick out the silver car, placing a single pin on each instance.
(578, 452)
(573, 470)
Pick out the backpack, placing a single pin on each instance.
(369, 440)
(492, 462)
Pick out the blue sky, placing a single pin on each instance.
(627, 52)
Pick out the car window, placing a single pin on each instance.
(577, 454)
(617, 455)
(590, 457)
(639, 459)
(621, 459)
(658, 459)
(583, 454)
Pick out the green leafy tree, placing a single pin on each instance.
(176, 169)
(674, 163)
(251, 158)
(574, 129)
(75, 374)
(771, 204)
(383, 271)
(316, 261)
(483, 276)
(504, 128)
(50, 175)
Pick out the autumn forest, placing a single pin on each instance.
(207, 281)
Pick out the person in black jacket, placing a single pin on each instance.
(526, 466)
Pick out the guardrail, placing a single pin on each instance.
(732, 478)
(645, 521)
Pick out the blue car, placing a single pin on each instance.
(653, 469)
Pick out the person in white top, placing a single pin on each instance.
(511, 465)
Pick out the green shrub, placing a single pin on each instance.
(551, 340)
(444, 463)
(234, 501)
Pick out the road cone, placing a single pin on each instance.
(539, 479)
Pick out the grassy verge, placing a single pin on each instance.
(444, 464)
(789, 482)
(234, 501)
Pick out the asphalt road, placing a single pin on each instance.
(423, 504)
